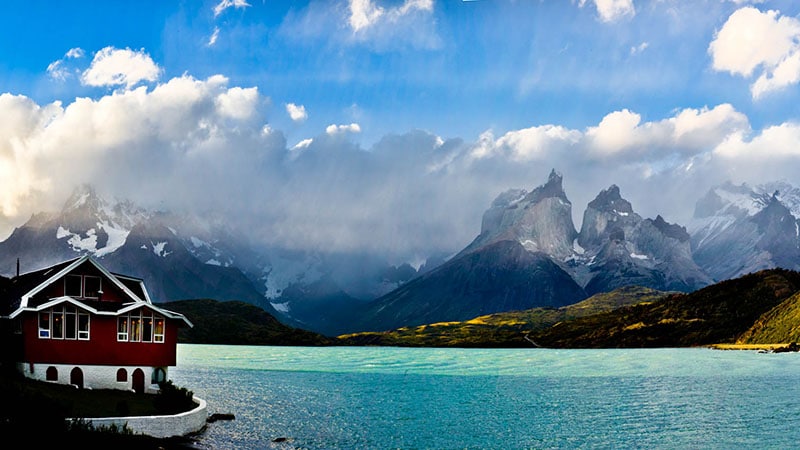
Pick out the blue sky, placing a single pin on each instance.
(346, 113)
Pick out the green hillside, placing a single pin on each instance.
(721, 313)
(502, 329)
(780, 325)
(237, 323)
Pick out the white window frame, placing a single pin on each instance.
(48, 333)
(128, 335)
(84, 335)
(44, 333)
(122, 336)
(99, 285)
(80, 294)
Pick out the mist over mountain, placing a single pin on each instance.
(185, 257)
(738, 229)
(528, 254)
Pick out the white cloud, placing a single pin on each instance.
(528, 144)
(612, 10)
(779, 141)
(75, 53)
(639, 48)
(690, 131)
(296, 112)
(617, 132)
(366, 14)
(363, 14)
(203, 145)
(120, 67)
(751, 40)
(303, 144)
(58, 70)
(406, 24)
(213, 38)
(225, 4)
(238, 103)
(333, 130)
(784, 74)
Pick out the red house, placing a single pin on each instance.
(77, 323)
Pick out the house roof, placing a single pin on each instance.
(15, 292)
(18, 286)
(104, 308)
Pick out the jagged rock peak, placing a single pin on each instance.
(672, 230)
(553, 188)
(508, 198)
(730, 199)
(84, 194)
(610, 200)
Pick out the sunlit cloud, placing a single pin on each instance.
(764, 43)
(213, 38)
(333, 130)
(612, 10)
(58, 70)
(225, 4)
(120, 67)
(296, 112)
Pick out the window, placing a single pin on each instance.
(51, 374)
(91, 286)
(58, 323)
(44, 325)
(159, 375)
(147, 326)
(73, 285)
(141, 326)
(64, 322)
(158, 331)
(122, 375)
(85, 286)
(136, 329)
(70, 314)
(122, 328)
(83, 326)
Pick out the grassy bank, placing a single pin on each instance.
(765, 347)
(37, 411)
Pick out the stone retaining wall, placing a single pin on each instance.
(160, 426)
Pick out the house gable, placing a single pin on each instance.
(82, 278)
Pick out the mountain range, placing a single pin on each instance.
(528, 254)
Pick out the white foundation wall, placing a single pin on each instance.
(183, 424)
(94, 377)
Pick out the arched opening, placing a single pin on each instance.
(122, 375)
(159, 375)
(138, 381)
(76, 377)
(51, 374)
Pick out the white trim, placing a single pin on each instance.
(58, 300)
(69, 268)
(141, 284)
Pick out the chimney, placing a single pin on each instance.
(17, 266)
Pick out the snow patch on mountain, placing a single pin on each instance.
(281, 307)
(159, 249)
(284, 271)
(749, 203)
(81, 244)
(81, 200)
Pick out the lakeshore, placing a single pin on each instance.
(757, 347)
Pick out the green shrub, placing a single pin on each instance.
(172, 399)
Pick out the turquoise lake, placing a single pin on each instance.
(411, 398)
